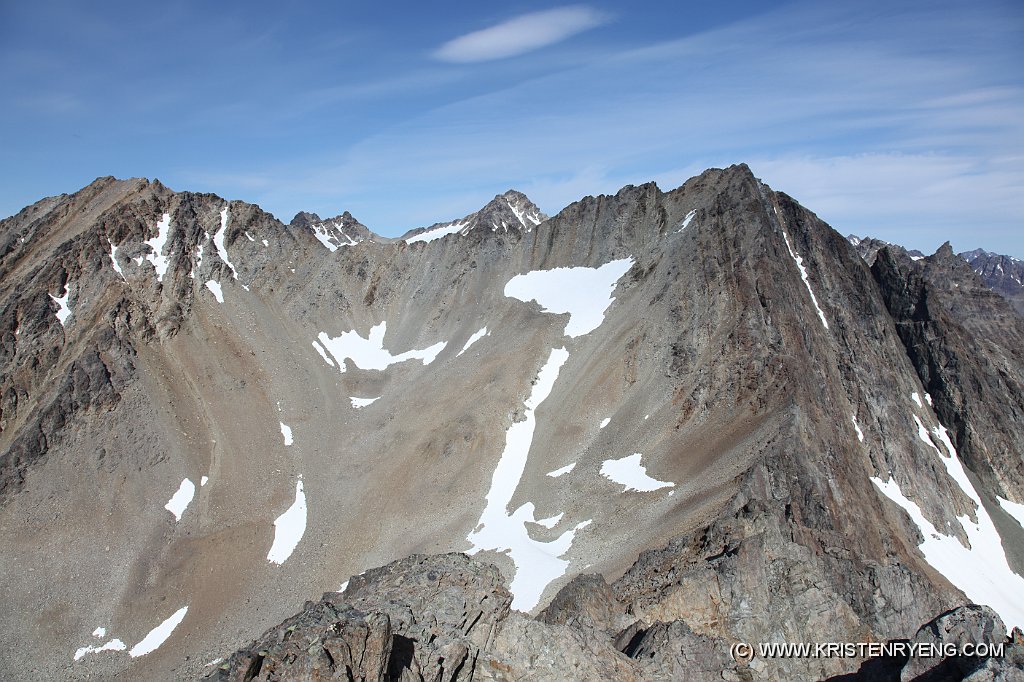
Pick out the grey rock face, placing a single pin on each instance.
(964, 342)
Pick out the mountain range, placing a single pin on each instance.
(608, 444)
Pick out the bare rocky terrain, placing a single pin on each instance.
(661, 423)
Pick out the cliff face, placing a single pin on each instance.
(703, 396)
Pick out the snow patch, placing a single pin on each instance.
(436, 233)
(181, 499)
(473, 339)
(159, 634)
(218, 241)
(344, 586)
(112, 645)
(289, 528)
(605, 422)
(916, 398)
(686, 221)
(369, 353)
(203, 481)
(99, 632)
(628, 472)
(803, 275)
(981, 571)
(928, 399)
(563, 471)
(323, 353)
(286, 432)
(584, 293)
(160, 263)
(363, 402)
(64, 311)
(536, 563)
(218, 293)
(113, 259)
(856, 427)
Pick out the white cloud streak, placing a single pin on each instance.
(521, 34)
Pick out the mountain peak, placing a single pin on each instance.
(511, 211)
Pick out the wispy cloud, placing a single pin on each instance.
(521, 34)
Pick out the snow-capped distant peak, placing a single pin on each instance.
(509, 212)
(334, 233)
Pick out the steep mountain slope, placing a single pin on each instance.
(709, 379)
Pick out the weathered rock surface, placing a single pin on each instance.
(441, 618)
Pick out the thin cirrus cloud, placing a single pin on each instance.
(521, 34)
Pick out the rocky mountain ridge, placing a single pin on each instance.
(209, 417)
(1002, 274)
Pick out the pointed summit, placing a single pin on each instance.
(512, 211)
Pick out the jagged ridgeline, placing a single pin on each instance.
(660, 423)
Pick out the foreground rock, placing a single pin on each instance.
(448, 617)
(441, 618)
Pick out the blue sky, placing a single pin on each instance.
(903, 120)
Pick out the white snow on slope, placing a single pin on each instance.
(218, 241)
(99, 632)
(916, 398)
(181, 499)
(473, 339)
(112, 645)
(64, 311)
(369, 353)
(436, 233)
(981, 571)
(159, 634)
(328, 239)
(289, 528)
(160, 263)
(363, 402)
(856, 427)
(323, 353)
(628, 472)
(522, 216)
(536, 563)
(803, 275)
(113, 258)
(686, 221)
(218, 293)
(199, 262)
(584, 293)
(1014, 509)
(563, 471)
(203, 481)
(605, 422)
(286, 432)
